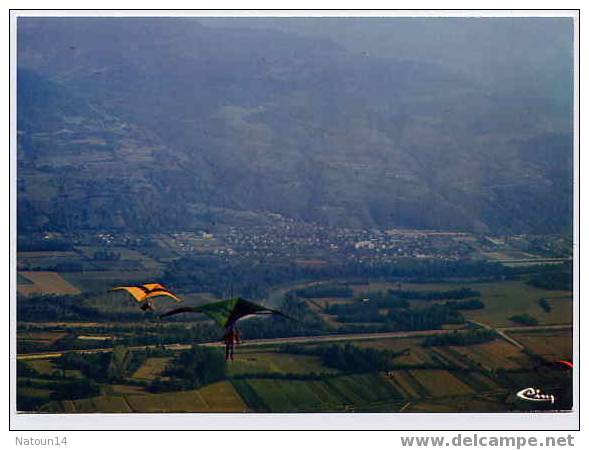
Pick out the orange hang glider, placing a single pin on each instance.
(143, 293)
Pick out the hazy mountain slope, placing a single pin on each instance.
(168, 122)
(523, 55)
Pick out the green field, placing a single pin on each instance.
(335, 394)
(507, 298)
(251, 362)
(502, 300)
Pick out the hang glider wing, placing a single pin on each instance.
(156, 290)
(226, 312)
(146, 291)
(136, 292)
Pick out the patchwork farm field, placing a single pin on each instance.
(367, 392)
(426, 383)
(488, 356)
(92, 274)
(46, 283)
(102, 281)
(472, 404)
(549, 344)
(44, 260)
(414, 354)
(268, 378)
(497, 354)
(440, 383)
(40, 337)
(216, 397)
(337, 394)
(264, 380)
(106, 404)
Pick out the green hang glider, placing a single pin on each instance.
(227, 312)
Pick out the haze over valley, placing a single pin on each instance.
(164, 123)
